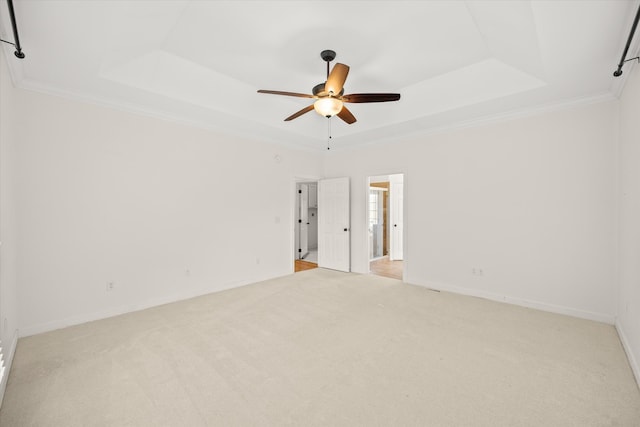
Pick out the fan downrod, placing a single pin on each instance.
(328, 56)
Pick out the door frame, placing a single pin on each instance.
(292, 224)
(303, 221)
(405, 255)
(384, 193)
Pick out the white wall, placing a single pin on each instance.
(106, 196)
(8, 249)
(162, 210)
(530, 201)
(628, 322)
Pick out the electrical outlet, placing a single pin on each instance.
(187, 272)
(477, 271)
(110, 286)
(258, 261)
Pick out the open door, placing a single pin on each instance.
(396, 195)
(334, 242)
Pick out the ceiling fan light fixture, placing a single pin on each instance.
(330, 96)
(328, 106)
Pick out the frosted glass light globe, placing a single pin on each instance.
(328, 106)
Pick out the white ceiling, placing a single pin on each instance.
(454, 62)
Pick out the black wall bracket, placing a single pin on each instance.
(18, 53)
(618, 72)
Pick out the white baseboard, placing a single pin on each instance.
(552, 308)
(633, 362)
(8, 361)
(26, 331)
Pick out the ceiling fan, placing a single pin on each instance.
(330, 96)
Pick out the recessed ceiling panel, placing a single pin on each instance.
(206, 59)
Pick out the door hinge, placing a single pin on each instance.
(299, 250)
(299, 191)
(299, 221)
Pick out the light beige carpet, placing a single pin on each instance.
(322, 348)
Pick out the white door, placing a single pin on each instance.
(333, 224)
(303, 221)
(396, 196)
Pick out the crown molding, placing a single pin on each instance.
(16, 70)
(529, 112)
(230, 126)
(488, 120)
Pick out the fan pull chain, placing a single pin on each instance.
(328, 132)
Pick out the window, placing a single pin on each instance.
(373, 207)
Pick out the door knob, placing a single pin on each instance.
(346, 229)
(395, 225)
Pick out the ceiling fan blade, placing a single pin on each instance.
(371, 97)
(299, 113)
(336, 79)
(346, 115)
(277, 92)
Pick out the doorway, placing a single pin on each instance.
(306, 226)
(321, 222)
(385, 213)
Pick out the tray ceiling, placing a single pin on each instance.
(201, 62)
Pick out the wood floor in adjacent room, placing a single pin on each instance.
(387, 268)
(301, 265)
(324, 348)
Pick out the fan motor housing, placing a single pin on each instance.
(318, 90)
